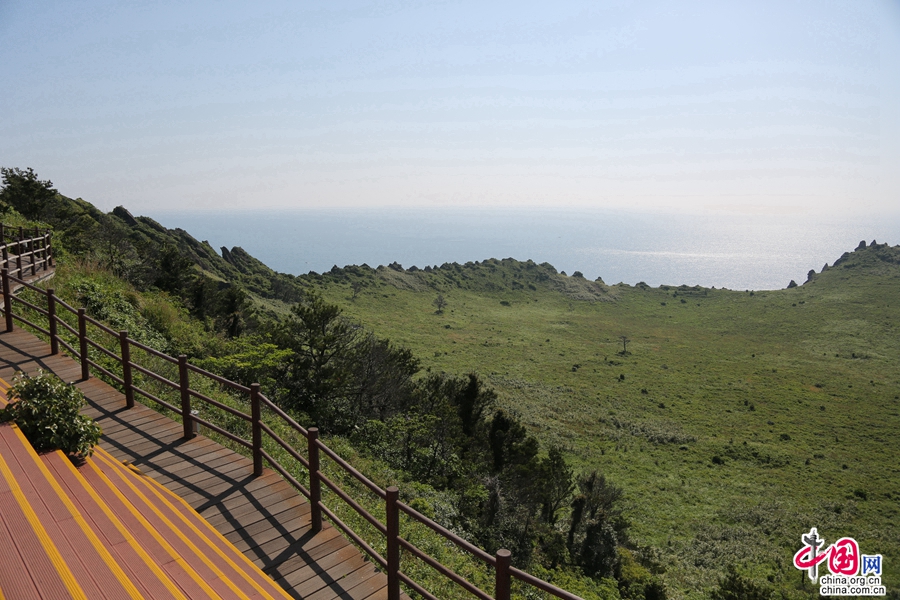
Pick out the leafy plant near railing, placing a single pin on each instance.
(46, 409)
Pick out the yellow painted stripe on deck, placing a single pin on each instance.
(49, 547)
(129, 537)
(4, 388)
(166, 495)
(202, 556)
(95, 541)
(153, 532)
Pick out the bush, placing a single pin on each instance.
(738, 587)
(47, 411)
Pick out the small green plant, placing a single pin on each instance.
(47, 411)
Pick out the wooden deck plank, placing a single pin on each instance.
(247, 509)
(204, 566)
(235, 566)
(216, 567)
(351, 583)
(62, 528)
(35, 561)
(342, 565)
(205, 477)
(122, 548)
(162, 554)
(249, 513)
(324, 543)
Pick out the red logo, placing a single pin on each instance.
(843, 555)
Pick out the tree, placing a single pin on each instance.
(23, 191)
(116, 252)
(598, 556)
(340, 375)
(319, 377)
(597, 525)
(472, 400)
(557, 484)
(382, 375)
(511, 446)
(233, 308)
(439, 303)
(737, 587)
(625, 341)
(356, 286)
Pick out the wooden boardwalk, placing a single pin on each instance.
(264, 517)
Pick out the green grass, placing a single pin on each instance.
(793, 392)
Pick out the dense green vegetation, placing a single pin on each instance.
(46, 409)
(671, 441)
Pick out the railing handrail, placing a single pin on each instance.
(393, 507)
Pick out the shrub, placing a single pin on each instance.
(738, 587)
(47, 411)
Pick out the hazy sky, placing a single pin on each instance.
(757, 105)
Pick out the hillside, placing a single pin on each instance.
(731, 422)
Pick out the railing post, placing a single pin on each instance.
(2, 233)
(126, 369)
(315, 484)
(7, 300)
(186, 418)
(83, 345)
(37, 245)
(19, 258)
(5, 256)
(51, 321)
(49, 247)
(21, 232)
(256, 418)
(31, 251)
(501, 572)
(393, 542)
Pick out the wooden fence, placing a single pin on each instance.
(36, 252)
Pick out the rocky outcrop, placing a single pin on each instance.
(122, 213)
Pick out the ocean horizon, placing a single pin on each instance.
(746, 251)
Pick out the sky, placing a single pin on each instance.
(783, 106)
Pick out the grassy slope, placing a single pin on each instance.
(727, 374)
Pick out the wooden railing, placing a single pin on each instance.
(25, 251)
(38, 249)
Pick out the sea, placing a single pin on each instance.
(725, 250)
